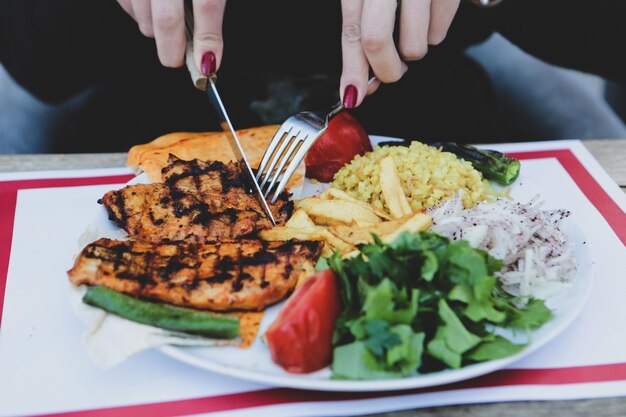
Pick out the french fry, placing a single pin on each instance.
(416, 223)
(392, 189)
(352, 235)
(337, 194)
(281, 233)
(300, 220)
(307, 203)
(337, 243)
(310, 233)
(357, 236)
(332, 212)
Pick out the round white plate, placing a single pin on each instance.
(255, 364)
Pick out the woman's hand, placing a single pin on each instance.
(367, 40)
(164, 20)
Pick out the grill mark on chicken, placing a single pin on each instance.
(229, 275)
(198, 202)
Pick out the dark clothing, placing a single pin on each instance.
(58, 49)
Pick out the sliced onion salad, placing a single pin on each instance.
(538, 260)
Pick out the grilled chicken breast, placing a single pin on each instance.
(198, 202)
(230, 275)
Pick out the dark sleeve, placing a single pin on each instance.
(58, 48)
(587, 35)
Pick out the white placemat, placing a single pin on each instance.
(45, 370)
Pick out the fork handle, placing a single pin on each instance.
(199, 80)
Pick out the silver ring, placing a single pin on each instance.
(486, 3)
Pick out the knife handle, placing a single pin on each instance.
(199, 80)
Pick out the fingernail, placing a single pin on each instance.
(349, 97)
(405, 68)
(208, 63)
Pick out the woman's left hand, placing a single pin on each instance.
(367, 40)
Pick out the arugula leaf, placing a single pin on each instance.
(430, 266)
(496, 347)
(375, 357)
(452, 339)
(465, 263)
(380, 338)
(356, 361)
(533, 316)
(477, 309)
(386, 302)
(406, 356)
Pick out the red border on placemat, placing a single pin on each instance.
(279, 396)
(612, 213)
(608, 208)
(8, 201)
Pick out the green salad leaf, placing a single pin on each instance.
(380, 351)
(452, 338)
(423, 302)
(494, 347)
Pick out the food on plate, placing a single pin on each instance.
(329, 212)
(162, 315)
(242, 275)
(198, 202)
(337, 194)
(152, 157)
(193, 216)
(537, 258)
(299, 220)
(300, 339)
(401, 290)
(342, 223)
(492, 164)
(391, 186)
(331, 242)
(427, 174)
(423, 303)
(412, 223)
(343, 140)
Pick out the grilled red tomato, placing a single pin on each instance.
(343, 140)
(300, 339)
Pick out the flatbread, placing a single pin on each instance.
(210, 146)
(152, 157)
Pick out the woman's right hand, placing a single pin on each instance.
(164, 20)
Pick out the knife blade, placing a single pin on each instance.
(235, 144)
(207, 84)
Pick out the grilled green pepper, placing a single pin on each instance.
(493, 165)
(163, 315)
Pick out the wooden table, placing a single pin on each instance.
(610, 153)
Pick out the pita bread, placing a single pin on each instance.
(211, 146)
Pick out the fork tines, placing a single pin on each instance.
(285, 152)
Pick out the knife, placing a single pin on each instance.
(207, 84)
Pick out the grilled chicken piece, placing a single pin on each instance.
(199, 202)
(234, 275)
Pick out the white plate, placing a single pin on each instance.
(255, 364)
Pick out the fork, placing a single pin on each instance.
(289, 146)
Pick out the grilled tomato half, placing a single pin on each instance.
(344, 139)
(300, 340)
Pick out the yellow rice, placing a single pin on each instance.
(427, 174)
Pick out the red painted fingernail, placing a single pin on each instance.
(349, 97)
(208, 63)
